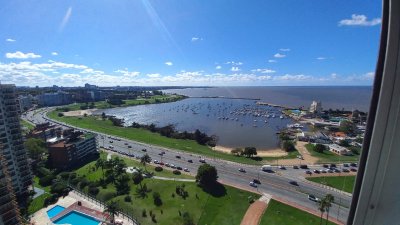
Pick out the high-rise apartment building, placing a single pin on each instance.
(11, 144)
(316, 107)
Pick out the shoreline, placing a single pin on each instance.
(275, 152)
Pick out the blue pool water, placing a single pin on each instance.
(54, 211)
(76, 218)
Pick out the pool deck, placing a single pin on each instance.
(82, 209)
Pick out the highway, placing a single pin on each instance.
(275, 183)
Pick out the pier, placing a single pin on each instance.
(275, 105)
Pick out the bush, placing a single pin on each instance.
(319, 148)
(47, 180)
(64, 175)
(128, 198)
(176, 172)
(93, 190)
(76, 180)
(60, 114)
(288, 146)
(158, 169)
(106, 195)
(144, 214)
(58, 188)
(157, 199)
(83, 183)
(41, 172)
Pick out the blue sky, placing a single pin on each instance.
(189, 42)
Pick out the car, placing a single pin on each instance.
(160, 154)
(353, 170)
(313, 198)
(186, 169)
(345, 164)
(190, 161)
(179, 168)
(337, 170)
(292, 182)
(156, 161)
(353, 164)
(242, 170)
(167, 165)
(316, 171)
(178, 156)
(110, 146)
(295, 167)
(325, 165)
(282, 167)
(144, 150)
(202, 160)
(256, 181)
(308, 172)
(161, 163)
(172, 166)
(333, 165)
(111, 141)
(252, 184)
(345, 170)
(129, 146)
(303, 166)
(300, 157)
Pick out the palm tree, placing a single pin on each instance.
(328, 203)
(112, 209)
(321, 207)
(145, 159)
(100, 163)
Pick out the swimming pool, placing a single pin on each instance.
(76, 218)
(54, 211)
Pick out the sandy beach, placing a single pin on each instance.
(260, 152)
(79, 112)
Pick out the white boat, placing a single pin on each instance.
(281, 117)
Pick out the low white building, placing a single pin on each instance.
(340, 150)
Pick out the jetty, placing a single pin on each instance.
(275, 105)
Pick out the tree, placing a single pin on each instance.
(288, 146)
(206, 175)
(321, 208)
(145, 159)
(328, 203)
(122, 185)
(137, 177)
(112, 209)
(319, 148)
(237, 151)
(347, 126)
(250, 151)
(100, 163)
(157, 199)
(36, 148)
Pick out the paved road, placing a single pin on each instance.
(276, 183)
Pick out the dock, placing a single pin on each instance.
(275, 105)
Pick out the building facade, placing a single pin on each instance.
(316, 107)
(13, 150)
(73, 151)
(53, 99)
(25, 102)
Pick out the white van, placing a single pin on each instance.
(266, 168)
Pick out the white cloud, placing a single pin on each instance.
(65, 19)
(279, 55)
(334, 76)
(218, 67)
(54, 53)
(169, 63)
(285, 49)
(127, 73)
(272, 61)
(289, 77)
(234, 63)
(321, 58)
(194, 39)
(263, 71)
(10, 40)
(235, 69)
(21, 55)
(359, 20)
(370, 75)
(154, 75)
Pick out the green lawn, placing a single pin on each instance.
(225, 206)
(36, 184)
(37, 203)
(345, 183)
(29, 126)
(129, 102)
(278, 213)
(145, 136)
(89, 170)
(328, 156)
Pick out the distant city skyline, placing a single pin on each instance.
(190, 43)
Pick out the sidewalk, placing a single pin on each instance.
(255, 211)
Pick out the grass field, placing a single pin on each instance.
(224, 206)
(339, 182)
(145, 136)
(129, 102)
(38, 203)
(278, 213)
(328, 156)
(27, 125)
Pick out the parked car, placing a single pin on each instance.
(333, 165)
(111, 141)
(179, 168)
(292, 182)
(186, 169)
(295, 167)
(129, 146)
(190, 161)
(303, 166)
(308, 172)
(316, 171)
(242, 170)
(253, 184)
(345, 164)
(144, 150)
(353, 170)
(313, 198)
(345, 170)
(178, 156)
(202, 160)
(282, 167)
(325, 165)
(353, 164)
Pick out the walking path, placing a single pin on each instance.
(308, 159)
(174, 179)
(256, 210)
